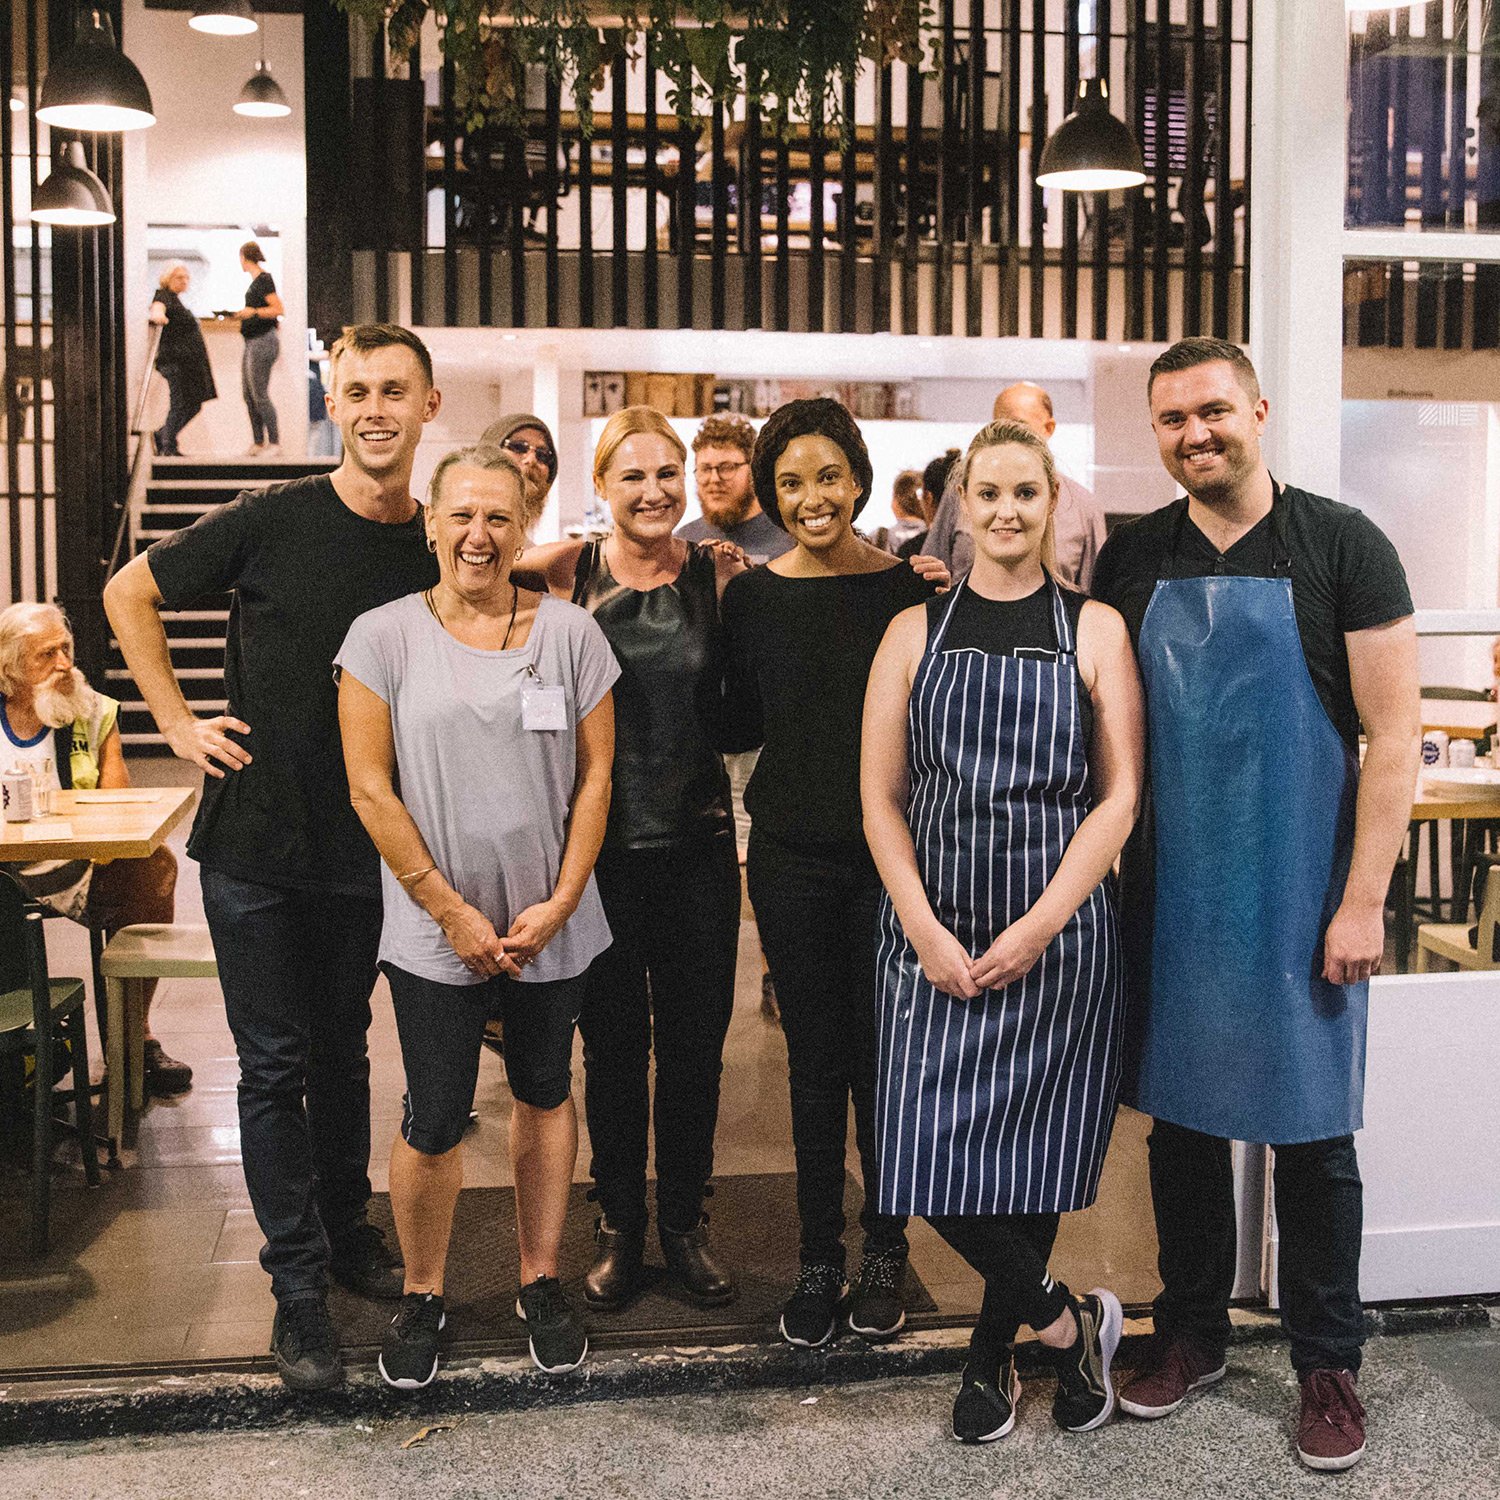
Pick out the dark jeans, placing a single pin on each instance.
(181, 410)
(1010, 1251)
(297, 968)
(260, 354)
(1320, 1214)
(665, 985)
(816, 907)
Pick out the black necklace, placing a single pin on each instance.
(515, 599)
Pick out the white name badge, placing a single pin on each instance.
(543, 708)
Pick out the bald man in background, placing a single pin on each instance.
(1079, 525)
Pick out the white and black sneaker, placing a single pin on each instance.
(985, 1410)
(409, 1355)
(558, 1342)
(1085, 1392)
(810, 1316)
(876, 1307)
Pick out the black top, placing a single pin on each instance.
(669, 782)
(182, 356)
(302, 566)
(1011, 627)
(800, 651)
(258, 294)
(1345, 576)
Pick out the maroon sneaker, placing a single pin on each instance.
(1173, 1371)
(1331, 1431)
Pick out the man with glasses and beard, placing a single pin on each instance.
(54, 725)
(731, 513)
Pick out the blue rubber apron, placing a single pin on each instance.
(1253, 790)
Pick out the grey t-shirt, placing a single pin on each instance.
(761, 538)
(490, 796)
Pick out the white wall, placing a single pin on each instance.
(203, 164)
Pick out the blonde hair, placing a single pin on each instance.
(166, 276)
(18, 623)
(627, 423)
(481, 456)
(1003, 434)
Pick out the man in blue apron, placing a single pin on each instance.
(1270, 624)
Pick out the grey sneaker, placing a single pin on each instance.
(558, 1342)
(1085, 1393)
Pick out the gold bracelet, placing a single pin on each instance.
(414, 875)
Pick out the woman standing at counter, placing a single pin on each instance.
(258, 320)
(181, 359)
(803, 630)
(1003, 760)
(668, 872)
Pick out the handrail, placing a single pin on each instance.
(140, 467)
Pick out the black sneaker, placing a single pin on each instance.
(304, 1345)
(558, 1342)
(985, 1410)
(810, 1317)
(165, 1075)
(409, 1355)
(876, 1310)
(1085, 1393)
(364, 1263)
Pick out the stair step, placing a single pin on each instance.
(179, 508)
(198, 705)
(190, 674)
(184, 643)
(195, 614)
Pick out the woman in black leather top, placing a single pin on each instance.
(668, 874)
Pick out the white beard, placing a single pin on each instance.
(61, 703)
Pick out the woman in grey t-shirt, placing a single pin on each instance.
(478, 732)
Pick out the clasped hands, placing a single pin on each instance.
(947, 964)
(486, 953)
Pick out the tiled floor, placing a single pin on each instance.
(160, 1262)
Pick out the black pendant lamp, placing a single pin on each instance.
(72, 196)
(261, 98)
(224, 18)
(1091, 151)
(93, 85)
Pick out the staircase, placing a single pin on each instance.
(179, 491)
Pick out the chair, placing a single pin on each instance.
(1457, 941)
(144, 950)
(37, 1015)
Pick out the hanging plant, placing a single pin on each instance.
(791, 56)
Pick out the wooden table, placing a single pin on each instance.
(128, 823)
(1459, 719)
(1463, 813)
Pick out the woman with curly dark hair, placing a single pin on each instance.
(802, 632)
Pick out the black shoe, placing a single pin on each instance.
(558, 1342)
(1085, 1393)
(690, 1259)
(985, 1410)
(364, 1263)
(409, 1355)
(165, 1075)
(810, 1317)
(876, 1309)
(615, 1275)
(304, 1345)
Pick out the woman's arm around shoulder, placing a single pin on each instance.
(552, 567)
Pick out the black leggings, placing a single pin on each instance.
(1010, 1251)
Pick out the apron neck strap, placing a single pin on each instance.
(1281, 552)
(936, 643)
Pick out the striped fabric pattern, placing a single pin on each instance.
(1003, 1104)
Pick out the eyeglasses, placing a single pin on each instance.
(722, 472)
(520, 447)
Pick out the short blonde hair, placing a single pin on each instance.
(1003, 434)
(627, 423)
(18, 623)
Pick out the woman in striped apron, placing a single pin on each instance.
(1002, 767)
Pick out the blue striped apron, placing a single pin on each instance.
(1002, 1104)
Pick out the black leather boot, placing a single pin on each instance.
(616, 1272)
(691, 1259)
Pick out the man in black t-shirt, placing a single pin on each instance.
(290, 879)
(1269, 623)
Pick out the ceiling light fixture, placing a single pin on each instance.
(72, 196)
(1091, 151)
(224, 18)
(261, 97)
(92, 85)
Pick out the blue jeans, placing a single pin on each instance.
(260, 354)
(297, 968)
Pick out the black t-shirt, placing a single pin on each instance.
(1005, 627)
(258, 294)
(301, 566)
(800, 651)
(1345, 576)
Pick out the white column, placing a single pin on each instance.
(1297, 218)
